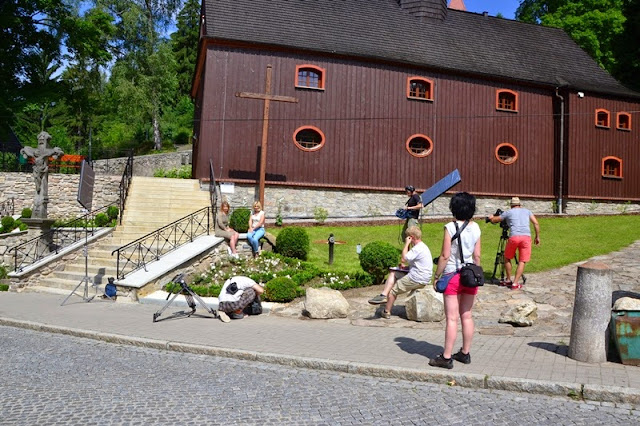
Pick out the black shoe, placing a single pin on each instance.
(235, 316)
(461, 357)
(441, 361)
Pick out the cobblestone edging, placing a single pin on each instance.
(613, 395)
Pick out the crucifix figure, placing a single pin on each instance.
(267, 97)
(41, 172)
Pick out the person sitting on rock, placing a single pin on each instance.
(236, 294)
(415, 277)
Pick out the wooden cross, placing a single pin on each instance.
(267, 97)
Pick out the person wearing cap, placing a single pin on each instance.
(413, 207)
(518, 219)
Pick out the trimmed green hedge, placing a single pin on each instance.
(293, 242)
(377, 257)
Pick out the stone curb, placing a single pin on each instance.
(598, 393)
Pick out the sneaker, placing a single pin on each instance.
(462, 357)
(236, 316)
(384, 314)
(223, 316)
(378, 300)
(229, 251)
(441, 361)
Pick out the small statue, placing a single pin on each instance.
(41, 172)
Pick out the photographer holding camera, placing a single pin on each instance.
(413, 207)
(518, 219)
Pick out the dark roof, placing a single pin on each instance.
(464, 41)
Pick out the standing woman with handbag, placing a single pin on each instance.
(458, 299)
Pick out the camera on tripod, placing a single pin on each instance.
(503, 224)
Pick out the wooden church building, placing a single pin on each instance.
(372, 95)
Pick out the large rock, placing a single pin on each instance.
(627, 304)
(425, 305)
(522, 315)
(325, 303)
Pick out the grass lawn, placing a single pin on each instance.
(563, 240)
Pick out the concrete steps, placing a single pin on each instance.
(151, 204)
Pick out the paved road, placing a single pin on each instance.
(58, 379)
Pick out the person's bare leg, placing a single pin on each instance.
(507, 268)
(519, 272)
(465, 304)
(451, 317)
(391, 298)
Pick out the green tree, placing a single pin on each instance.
(594, 25)
(627, 68)
(185, 44)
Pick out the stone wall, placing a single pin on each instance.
(144, 165)
(298, 203)
(63, 193)
(10, 240)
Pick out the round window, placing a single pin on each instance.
(419, 145)
(506, 153)
(308, 138)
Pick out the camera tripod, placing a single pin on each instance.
(498, 266)
(189, 296)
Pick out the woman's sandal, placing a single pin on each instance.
(516, 287)
(506, 283)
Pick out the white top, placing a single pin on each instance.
(243, 283)
(420, 263)
(255, 218)
(469, 237)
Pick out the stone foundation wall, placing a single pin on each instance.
(297, 203)
(63, 193)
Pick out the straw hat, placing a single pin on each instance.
(515, 201)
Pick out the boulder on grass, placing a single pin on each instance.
(425, 305)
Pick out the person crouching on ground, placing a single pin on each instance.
(458, 299)
(236, 294)
(416, 277)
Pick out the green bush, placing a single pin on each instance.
(184, 172)
(4, 287)
(26, 213)
(8, 223)
(280, 289)
(112, 212)
(102, 219)
(377, 257)
(239, 219)
(3, 272)
(293, 242)
(320, 214)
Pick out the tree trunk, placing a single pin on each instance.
(157, 142)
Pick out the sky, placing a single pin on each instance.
(506, 7)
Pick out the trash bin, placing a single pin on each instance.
(625, 326)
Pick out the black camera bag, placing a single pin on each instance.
(471, 275)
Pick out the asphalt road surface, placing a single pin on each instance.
(48, 379)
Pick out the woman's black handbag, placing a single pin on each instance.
(471, 275)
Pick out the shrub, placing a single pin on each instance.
(320, 214)
(377, 257)
(239, 219)
(280, 289)
(26, 213)
(112, 212)
(8, 223)
(102, 219)
(293, 242)
(4, 287)
(3, 272)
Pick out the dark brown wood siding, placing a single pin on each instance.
(366, 118)
(589, 144)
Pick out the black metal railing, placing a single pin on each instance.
(56, 239)
(7, 208)
(158, 243)
(212, 190)
(125, 182)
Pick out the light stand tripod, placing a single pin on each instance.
(189, 296)
(498, 266)
(85, 280)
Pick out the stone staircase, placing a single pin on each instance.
(151, 204)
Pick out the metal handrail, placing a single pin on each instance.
(125, 182)
(7, 208)
(53, 241)
(136, 254)
(213, 196)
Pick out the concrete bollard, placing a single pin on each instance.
(591, 313)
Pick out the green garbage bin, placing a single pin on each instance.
(626, 334)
